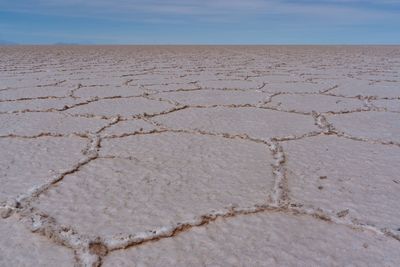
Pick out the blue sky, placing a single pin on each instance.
(200, 22)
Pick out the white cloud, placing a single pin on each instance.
(346, 10)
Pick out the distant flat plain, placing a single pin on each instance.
(199, 155)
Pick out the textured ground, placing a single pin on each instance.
(200, 156)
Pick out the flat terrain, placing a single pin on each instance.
(199, 156)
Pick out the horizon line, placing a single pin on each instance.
(202, 44)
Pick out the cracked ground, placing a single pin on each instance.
(199, 156)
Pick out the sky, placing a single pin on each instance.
(200, 22)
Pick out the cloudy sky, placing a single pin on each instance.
(200, 22)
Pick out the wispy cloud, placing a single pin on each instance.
(201, 7)
(207, 18)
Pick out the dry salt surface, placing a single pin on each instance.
(199, 156)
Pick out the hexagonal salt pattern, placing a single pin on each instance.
(390, 105)
(126, 107)
(129, 127)
(26, 163)
(295, 87)
(108, 91)
(145, 182)
(379, 126)
(216, 97)
(19, 247)
(51, 104)
(273, 239)
(355, 87)
(37, 123)
(255, 122)
(318, 103)
(339, 174)
(34, 93)
(230, 84)
(199, 155)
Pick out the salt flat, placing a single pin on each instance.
(200, 156)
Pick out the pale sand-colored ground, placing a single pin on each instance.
(200, 156)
